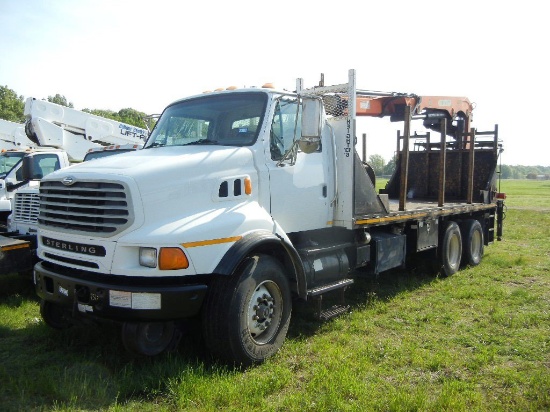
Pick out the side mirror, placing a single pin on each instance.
(27, 171)
(311, 125)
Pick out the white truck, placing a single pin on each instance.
(46, 160)
(16, 246)
(245, 198)
(14, 145)
(61, 136)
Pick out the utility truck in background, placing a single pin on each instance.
(244, 199)
(49, 124)
(53, 127)
(59, 136)
(13, 137)
(14, 145)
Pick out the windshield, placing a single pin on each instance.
(8, 160)
(231, 119)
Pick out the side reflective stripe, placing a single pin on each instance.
(211, 242)
(6, 248)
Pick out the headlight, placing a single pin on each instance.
(148, 257)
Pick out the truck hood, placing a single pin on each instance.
(172, 181)
(147, 162)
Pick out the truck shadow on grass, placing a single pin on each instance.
(87, 367)
(367, 289)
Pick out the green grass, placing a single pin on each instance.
(477, 341)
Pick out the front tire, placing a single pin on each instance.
(451, 249)
(149, 338)
(246, 316)
(55, 315)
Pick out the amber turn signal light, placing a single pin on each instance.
(172, 258)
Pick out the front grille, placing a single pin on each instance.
(26, 207)
(102, 208)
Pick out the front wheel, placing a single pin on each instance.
(246, 316)
(149, 338)
(55, 315)
(451, 249)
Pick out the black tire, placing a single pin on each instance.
(149, 338)
(451, 249)
(246, 316)
(54, 315)
(473, 242)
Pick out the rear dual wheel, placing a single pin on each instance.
(473, 242)
(461, 245)
(451, 249)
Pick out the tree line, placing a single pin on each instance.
(12, 108)
(383, 168)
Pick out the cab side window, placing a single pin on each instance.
(44, 164)
(285, 128)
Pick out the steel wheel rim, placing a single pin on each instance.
(264, 312)
(453, 252)
(475, 246)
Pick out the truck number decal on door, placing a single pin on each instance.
(347, 149)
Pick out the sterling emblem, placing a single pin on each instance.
(69, 180)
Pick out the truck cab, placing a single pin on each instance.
(12, 176)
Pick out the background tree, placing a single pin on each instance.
(109, 114)
(60, 100)
(506, 172)
(129, 116)
(133, 117)
(390, 166)
(377, 163)
(11, 106)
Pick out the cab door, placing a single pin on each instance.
(301, 188)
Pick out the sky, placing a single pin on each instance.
(109, 54)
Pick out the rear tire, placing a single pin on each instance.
(473, 244)
(246, 316)
(451, 249)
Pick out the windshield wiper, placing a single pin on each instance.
(202, 141)
(156, 144)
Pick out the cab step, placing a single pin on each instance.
(341, 284)
(335, 310)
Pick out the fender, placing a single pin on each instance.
(261, 239)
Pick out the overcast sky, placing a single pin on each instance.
(103, 54)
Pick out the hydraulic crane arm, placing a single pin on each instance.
(49, 124)
(12, 136)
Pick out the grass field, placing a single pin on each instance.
(477, 341)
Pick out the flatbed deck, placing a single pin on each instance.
(420, 209)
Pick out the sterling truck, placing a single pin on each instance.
(244, 199)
